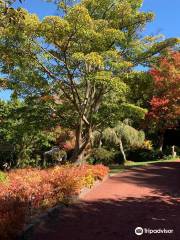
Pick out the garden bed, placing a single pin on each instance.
(29, 195)
(29, 229)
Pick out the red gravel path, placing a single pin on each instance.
(148, 197)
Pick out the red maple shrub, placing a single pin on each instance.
(99, 171)
(27, 191)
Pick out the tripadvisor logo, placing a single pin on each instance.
(140, 231)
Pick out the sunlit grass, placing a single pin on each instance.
(116, 168)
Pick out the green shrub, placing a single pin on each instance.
(102, 155)
(6, 158)
(167, 157)
(167, 151)
(143, 155)
(177, 149)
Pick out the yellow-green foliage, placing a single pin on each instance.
(147, 145)
(3, 177)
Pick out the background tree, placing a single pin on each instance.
(27, 127)
(141, 86)
(164, 110)
(124, 136)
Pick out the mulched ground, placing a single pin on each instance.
(147, 197)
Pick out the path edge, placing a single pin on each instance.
(29, 229)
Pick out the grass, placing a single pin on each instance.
(115, 168)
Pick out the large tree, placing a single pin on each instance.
(79, 57)
(164, 110)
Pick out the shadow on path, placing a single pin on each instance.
(116, 218)
(162, 178)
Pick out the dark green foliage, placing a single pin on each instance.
(57, 158)
(7, 159)
(102, 155)
(177, 149)
(27, 127)
(141, 88)
(144, 155)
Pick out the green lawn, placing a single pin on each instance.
(129, 164)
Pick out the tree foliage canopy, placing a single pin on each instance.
(78, 59)
(165, 104)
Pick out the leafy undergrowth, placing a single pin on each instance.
(26, 191)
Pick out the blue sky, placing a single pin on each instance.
(167, 19)
(167, 14)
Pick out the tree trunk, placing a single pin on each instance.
(122, 150)
(79, 153)
(80, 145)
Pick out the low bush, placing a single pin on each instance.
(102, 155)
(177, 149)
(167, 151)
(99, 171)
(30, 190)
(143, 155)
(6, 159)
